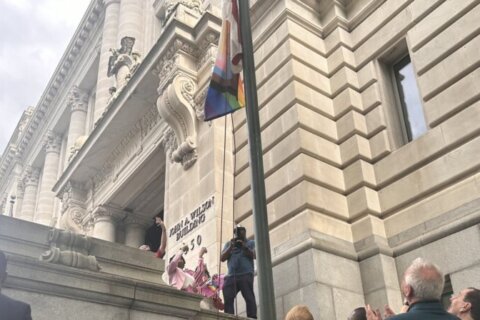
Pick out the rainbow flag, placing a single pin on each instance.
(225, 94)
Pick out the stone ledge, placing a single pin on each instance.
(30, 240)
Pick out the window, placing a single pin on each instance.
(411, 110)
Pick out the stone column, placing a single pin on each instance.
(44, 214)
(135, 227)
(30, 180)
(78, 103)
(109, 41)
(104, 222)
(130, 23)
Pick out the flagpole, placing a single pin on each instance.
(262, 240)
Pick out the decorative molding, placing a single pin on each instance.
(77, 99)
(52, 142)
(70, 249)
(176, 107)
(88, 24)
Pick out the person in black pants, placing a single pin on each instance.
(240, 253)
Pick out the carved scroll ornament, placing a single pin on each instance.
(176, 107)
(69, 249)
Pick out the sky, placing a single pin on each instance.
(34, 35)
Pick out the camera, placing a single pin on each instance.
(238, 243)
(237, 240)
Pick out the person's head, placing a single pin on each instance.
(358, 314)
(240, 232)
(158, 218)
(422, 280)
(3, 268)
(181, 262)
(466, 303)
(299, 312)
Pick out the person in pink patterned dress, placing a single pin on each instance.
(194, 281)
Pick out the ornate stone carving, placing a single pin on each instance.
(169, 7)
(69, 249)
(123, 62)
(73, 208)
(199, 104)
(52, 142)
(169, 143)
(31, 175)
(77, 99)
(176, 107)
(169, 65)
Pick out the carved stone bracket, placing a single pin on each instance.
(70, 249)
(176, 107)
(73, 208)
(77, 99)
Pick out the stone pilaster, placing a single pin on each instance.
(105, 219)
(46, 198)
(109, 40)
(78, 104)
(135, 227)
(30, 181)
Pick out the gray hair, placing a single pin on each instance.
(426, 280)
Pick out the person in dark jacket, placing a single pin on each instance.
(155, 237)
(11, 309)
(422, 287)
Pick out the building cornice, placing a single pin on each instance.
(50, 95)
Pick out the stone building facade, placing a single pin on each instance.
(370, 126)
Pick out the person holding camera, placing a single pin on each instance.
(240, 253)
